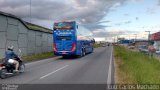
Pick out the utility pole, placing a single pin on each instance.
(148, 36)
(30, 10)
(135, 37)
(117, 39)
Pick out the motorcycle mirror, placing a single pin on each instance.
(20, 50)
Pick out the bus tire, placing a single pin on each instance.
(92, 50)
(64, 56)
(81, 53)
(84, 53)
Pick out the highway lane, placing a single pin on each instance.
(90, 69)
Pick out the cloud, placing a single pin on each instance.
(127, 22)
(88, 12)
(137, 18)
(13, 3)
(159, 2)
(126, 14)
(151, 10)
(154, 9)
(123, 23)
(112, 32)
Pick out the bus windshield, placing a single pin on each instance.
(64, 26)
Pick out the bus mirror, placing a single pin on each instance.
(77, 26)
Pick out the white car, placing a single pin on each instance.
(158, 52)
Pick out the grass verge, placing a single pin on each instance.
(38, 56)
(96, 45)
(135, 67)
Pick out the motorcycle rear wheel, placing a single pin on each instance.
(3, 73)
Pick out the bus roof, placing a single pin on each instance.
(65, 21)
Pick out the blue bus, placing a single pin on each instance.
(72, 39)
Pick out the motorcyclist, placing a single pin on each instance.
(10, 57)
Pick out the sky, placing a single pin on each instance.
(105, 18)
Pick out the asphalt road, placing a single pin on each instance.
(94, 68)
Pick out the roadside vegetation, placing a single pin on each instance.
(135, 67)
(35, 57)
(38, 56)
(96, 45)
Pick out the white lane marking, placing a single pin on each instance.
(110, 68)
(53, 72)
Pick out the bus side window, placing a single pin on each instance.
(77, 26)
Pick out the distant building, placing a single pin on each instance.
(121, 38)
(141, 42)
(125, 41)
(156, 38)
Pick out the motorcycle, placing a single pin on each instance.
(7, 70)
